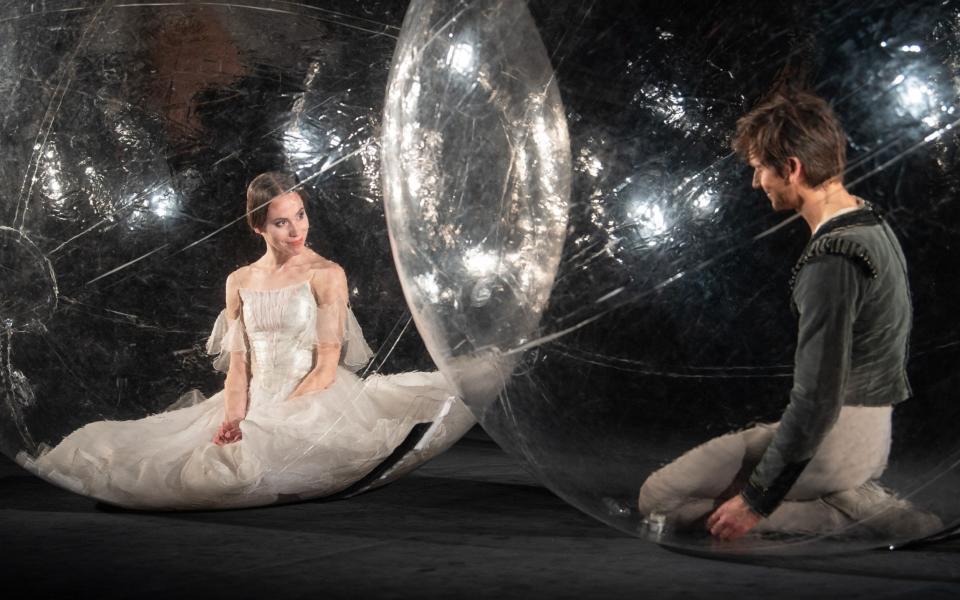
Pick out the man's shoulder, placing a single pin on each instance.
(846, 245)
(868, 240)
(841, 245)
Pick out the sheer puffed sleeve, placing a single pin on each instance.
(227, 336)
(355, 352)
(336, 324)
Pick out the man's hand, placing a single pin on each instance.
(733, 519)
(316, 381)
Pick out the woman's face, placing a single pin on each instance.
(285, 229)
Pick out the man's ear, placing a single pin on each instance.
(795, 172)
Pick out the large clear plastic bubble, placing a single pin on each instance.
(129, 134)
(601, 328)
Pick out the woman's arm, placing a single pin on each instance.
(330, 290)
(238, 377)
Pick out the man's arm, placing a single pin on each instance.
(828, 295)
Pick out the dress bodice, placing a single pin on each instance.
(280, 325)
(279, 330)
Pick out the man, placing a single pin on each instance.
(814, 471)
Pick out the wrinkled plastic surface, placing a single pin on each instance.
(599, 331)
(129, 133)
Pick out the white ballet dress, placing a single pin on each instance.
(311, 446)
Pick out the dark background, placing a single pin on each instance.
(130, 133)
(652, 92)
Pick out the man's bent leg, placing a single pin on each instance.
(688, 488)
(805, 516)
(853, 453)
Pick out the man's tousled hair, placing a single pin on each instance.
(793, 123)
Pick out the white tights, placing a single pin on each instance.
(853, 452)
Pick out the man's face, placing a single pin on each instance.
(781, 192)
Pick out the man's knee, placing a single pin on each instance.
(652, 496)
(704, 472)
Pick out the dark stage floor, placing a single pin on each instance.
(469, 524)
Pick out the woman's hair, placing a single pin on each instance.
(793, 123)
(264, 188)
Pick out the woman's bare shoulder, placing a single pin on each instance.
(239, 278)
(324, 268)
(326, 278)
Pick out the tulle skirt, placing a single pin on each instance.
(307, 447)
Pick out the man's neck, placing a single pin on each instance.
(822, 202)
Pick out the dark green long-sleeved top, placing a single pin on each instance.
(852, 298)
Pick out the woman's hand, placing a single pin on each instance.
(228, 433)
(316, 381)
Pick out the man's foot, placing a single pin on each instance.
(883, 514)
(653, 526)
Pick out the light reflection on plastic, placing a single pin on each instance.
(163, 203)
(480, 262)
(296, 143)
(938, 133)
(667, 102)
(427, 282)
(590, 164)
(460, 58)
(649, 218)
(918, 99)
(705, 200)
(51, 186)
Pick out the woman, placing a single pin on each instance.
(292, 421)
